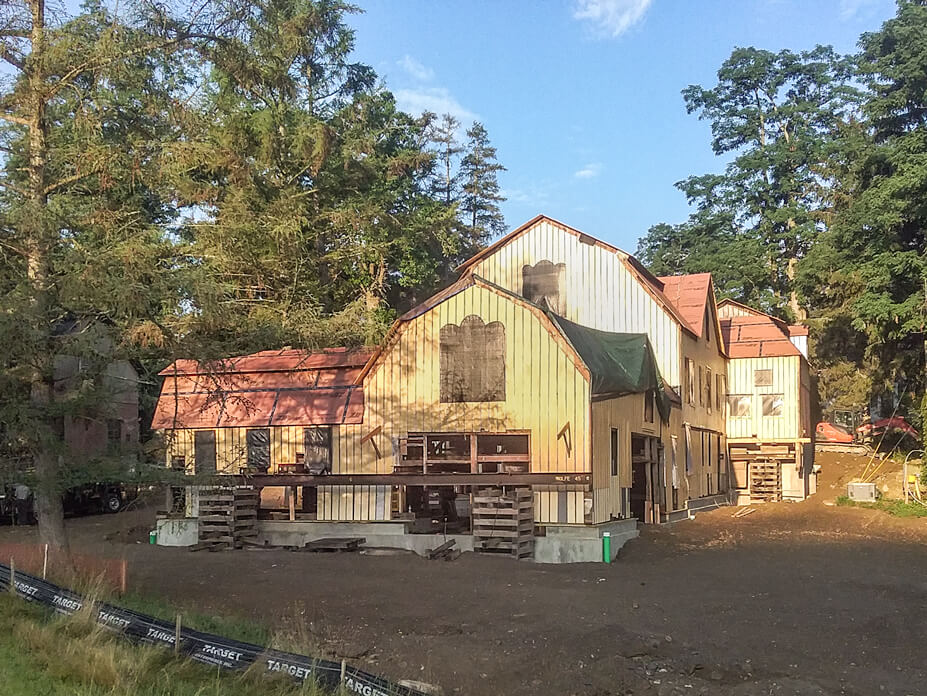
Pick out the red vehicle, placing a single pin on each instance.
(831, 432)
(895, 424)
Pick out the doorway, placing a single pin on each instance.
(647, 485)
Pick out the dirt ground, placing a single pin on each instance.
(801, 598)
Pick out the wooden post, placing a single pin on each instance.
(45, 562)
(12, 576)
(474, 454)
(343, 670)
(292, 502)
(122, 576)
(177, 635)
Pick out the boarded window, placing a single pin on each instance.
(648, 406)
(772, 404)
(739, 405)
(543, 284)
(614, 451)
(259, 448)
(472, 361)
(318, 444)
(701, 387)
(719, 391)
(762, 378)
(204, 451)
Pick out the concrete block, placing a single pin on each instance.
(177, 531)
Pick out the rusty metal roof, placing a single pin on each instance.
(757, 336)
(272, 387)
(689, 295)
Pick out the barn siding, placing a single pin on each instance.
(600, 291)
(786, 376)
(544, 391)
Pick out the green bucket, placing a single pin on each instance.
(153, 537)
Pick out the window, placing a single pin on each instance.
(543, 284)
(648, 406)
(772, 404)
(719, 391)
(472, 358)
(739, 405)
(179, 463)
(701, 387)
(204, 451)
(690, 380)
(762, 378)
(258, 441)
(708, 388)
(614, 451)
(114, 431)
(318, 444)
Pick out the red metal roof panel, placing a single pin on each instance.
(689, 295)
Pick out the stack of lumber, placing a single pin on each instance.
(503, 522)
(766, 481)
(228, 516)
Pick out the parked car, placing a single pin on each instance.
(16, 501)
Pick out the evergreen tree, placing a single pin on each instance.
(442, 135)
(479, 171)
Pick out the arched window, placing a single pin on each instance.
(543, 284)
(472, 359)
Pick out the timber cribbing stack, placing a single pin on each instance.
(228, 516)
(503, 522)
(766, 481)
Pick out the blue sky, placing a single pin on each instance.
(582, 97)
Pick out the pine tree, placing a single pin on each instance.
(480, 211)
(442, 135)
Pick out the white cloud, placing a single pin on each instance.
(611, 17)
(590, 171)
(436, 99)
(415, 69)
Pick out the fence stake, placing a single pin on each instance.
(177, 635)
(45, 562)
(122, 576)
(343, 667)
(12, 576)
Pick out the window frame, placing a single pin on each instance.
(764, 371)
(690, 380)
(649, 397)
(730, 410)
(763, 401)
(615, 450)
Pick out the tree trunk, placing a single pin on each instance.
(48, 507)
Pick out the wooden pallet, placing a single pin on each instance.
(766, 481)
(503, 522)
(227, 516)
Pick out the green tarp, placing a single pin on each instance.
(619, 363)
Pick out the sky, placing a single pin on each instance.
(582, 98)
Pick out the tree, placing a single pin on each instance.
(442, 134)
(776, 114)
(868, 274)
(481, 196)
(83, 257)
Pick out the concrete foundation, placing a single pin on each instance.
(709, 502)
(391, 535)
(177, 531)
(582, 544)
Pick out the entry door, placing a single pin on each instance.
(204, 451)
(638, 488)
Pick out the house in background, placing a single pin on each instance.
(769, 425)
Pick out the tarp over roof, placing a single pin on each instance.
(269, 388)
(619, 363)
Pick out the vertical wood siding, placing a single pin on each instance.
(600, 292)
(544, 392)
(785, 380)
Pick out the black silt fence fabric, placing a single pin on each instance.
(206, 648)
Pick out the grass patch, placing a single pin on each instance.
(43, 654)
(898, 508)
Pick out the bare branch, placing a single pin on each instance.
(14, 119)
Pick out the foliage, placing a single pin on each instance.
(821, 212)
(74, 656)
(896, 508)
(481, 195)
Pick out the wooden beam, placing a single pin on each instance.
(462, 479)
